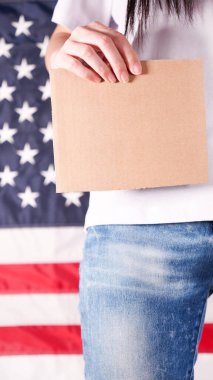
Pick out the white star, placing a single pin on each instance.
(72, 197)
(43, 46)
(45, 90)
(6, 134)
(22, 26)
(25, 112)
(49, 175)
(4, 48)
(24, 69)
(7, 177)
(28, 197)
(47, 132)
(27, 154)
(6, 91)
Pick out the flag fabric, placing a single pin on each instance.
(41, 232)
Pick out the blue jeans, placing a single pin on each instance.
(143, 292)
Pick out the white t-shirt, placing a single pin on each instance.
(167, 37)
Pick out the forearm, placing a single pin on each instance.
(58, 38)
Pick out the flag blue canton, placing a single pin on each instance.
(27, 177)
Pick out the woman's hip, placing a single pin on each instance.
(164, 258)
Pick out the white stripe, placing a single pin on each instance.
(204, 367)
(209, 310)
(36, 309)
(26, 309)
(66, 367)
(42, 367)
(43, 244)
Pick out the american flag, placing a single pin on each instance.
(41, 234)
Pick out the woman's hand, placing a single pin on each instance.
(95, 52)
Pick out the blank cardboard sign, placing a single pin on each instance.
(149, 132)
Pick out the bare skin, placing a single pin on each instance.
(93, 52)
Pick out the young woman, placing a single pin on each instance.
(147, 269)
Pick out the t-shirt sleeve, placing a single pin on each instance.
(71, 13)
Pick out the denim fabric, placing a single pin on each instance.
(143, 293)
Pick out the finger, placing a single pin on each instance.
(128, 53)
(74, 65)
(121, 42)
(90, 56)
(107, 46)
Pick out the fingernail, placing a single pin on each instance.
(137, 68)
(124, 77)
(111, 78)
(98, 80)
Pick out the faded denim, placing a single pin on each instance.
(143, 292)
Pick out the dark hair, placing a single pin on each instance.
(141, 9)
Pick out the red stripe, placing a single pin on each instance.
(206, 343)
(30, 340)
(39, 278)
(55, 339)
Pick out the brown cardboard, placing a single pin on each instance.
(149, 132)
